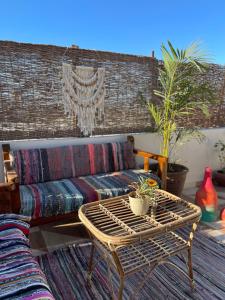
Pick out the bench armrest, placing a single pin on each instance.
(9, 197)
(9, 190)
(11, 176)
(7, 187)
(162, 161)
(10, 172)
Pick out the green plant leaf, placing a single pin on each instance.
(181, 91)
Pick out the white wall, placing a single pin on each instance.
(194, 155)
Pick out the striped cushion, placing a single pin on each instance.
(67, 195)
(12, 221)
(49, 198)
(41, 165)
(33, 294)
(20, 274)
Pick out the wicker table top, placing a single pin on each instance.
(112, 222)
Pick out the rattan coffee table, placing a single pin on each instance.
(132, 244)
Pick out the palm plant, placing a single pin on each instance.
(181, 92)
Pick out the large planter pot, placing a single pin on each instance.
(176, 176)
(219, 178)
(139, 206)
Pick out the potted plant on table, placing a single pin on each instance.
(181, 93)
(142, 196)
(219, 175)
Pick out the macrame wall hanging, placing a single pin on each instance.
(83, 94)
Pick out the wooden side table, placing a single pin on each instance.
(132, 243)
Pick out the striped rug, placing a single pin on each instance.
(65, 270)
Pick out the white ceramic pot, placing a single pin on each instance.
(139, 206)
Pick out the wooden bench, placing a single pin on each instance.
(10, 191)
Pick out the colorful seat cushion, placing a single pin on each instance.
(49, 164)
(67, 195)
(20, 274)
(13, 221)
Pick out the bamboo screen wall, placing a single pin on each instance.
(31, 91)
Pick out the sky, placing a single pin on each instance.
(133, 27)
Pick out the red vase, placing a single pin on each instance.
(206, 198)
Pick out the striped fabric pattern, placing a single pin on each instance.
(67, 195)
(20, 274)
(49, 198)
(116, 183)
(164, 283)
(41, 165)
(12, 221)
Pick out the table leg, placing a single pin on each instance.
(121, 274)
(120, 295)
(190, 270)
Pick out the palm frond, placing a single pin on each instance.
(181, 91)
(156, 114)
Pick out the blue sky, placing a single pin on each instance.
(135, 27)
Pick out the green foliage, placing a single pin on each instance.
(145, 187)
(181, 92)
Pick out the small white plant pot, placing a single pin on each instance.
(139, 206)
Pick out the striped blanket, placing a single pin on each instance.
(165, 283)
(41, 165)
(67, 195)
(20, 274)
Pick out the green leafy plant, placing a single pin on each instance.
(181, 93)
(220, 147)
(145, 187)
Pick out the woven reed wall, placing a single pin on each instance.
(215, 76)
(31, 91)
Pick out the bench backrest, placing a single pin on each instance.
(47, 164)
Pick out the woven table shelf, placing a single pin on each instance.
(130, 243)
(136, 256)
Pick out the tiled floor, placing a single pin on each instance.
(48, 237)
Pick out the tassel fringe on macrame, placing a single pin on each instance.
(83, 94)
